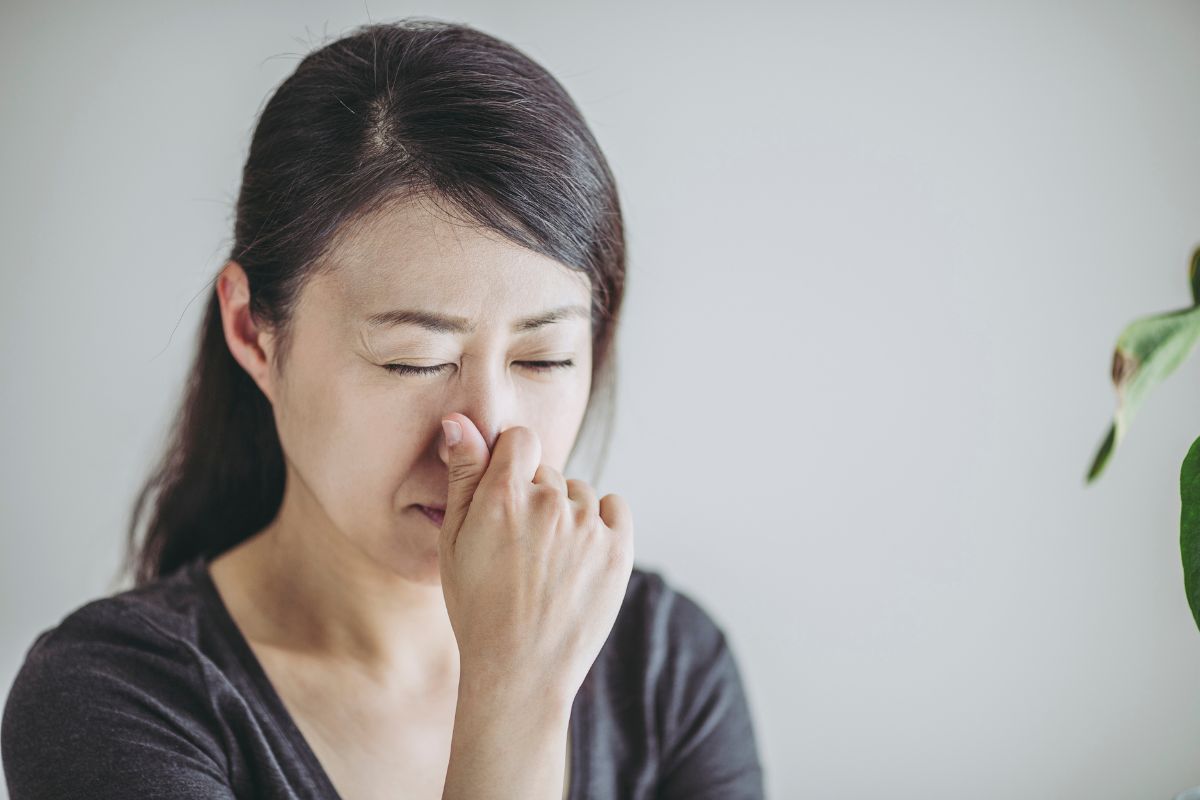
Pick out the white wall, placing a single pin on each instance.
(880, 253)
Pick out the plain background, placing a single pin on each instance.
(879, 257)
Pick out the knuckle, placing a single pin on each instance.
(620, 554)
(544, 474)
(581, 492)
(545, 495)
(459, 472)
(519, 436)
(550, 506)
(503, 499)
(586, 517)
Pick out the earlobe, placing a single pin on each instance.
(248, 343)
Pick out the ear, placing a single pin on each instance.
(250, 345)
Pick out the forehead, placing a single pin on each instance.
(415, 254)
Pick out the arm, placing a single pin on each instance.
(509, 740)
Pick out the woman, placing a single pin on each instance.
(365, 575)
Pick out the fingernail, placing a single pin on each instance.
(453, 432)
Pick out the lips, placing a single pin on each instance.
(433, 513)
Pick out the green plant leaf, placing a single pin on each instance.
(1194, 276)
(1147, 351)
(1102, 454)
(1189, 527)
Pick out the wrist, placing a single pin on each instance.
(510, 736)
(504, 697)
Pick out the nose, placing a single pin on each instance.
(484, 394)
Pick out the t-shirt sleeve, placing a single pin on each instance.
(109, 705)
(709, 751)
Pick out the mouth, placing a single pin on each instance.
(433, 513)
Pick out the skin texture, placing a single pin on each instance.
(341, 594)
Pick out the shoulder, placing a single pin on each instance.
(662, 643)
(670, 676)
(155, 621)
(667, 618)
(117, 670)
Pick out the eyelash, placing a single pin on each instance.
(408, 369)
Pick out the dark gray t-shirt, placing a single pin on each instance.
(154, 692)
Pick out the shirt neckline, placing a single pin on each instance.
(253, 670)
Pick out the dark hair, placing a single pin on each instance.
(391, 111)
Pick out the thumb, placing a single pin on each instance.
(468, 460)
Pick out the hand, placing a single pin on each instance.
(534, 569)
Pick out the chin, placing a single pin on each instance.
(426, 570)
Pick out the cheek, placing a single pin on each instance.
(557, 419)
(377, 443)
(352, 445)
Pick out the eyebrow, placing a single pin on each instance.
(439, 323)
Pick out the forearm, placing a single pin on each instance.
(507, 742)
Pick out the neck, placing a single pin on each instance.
(324, 596)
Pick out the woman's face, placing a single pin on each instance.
(364, 443)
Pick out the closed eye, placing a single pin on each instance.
(536, 366)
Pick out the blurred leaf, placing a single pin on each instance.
(1189, 526)
(1194, 276)
(1102, 454)
(1147, 351)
